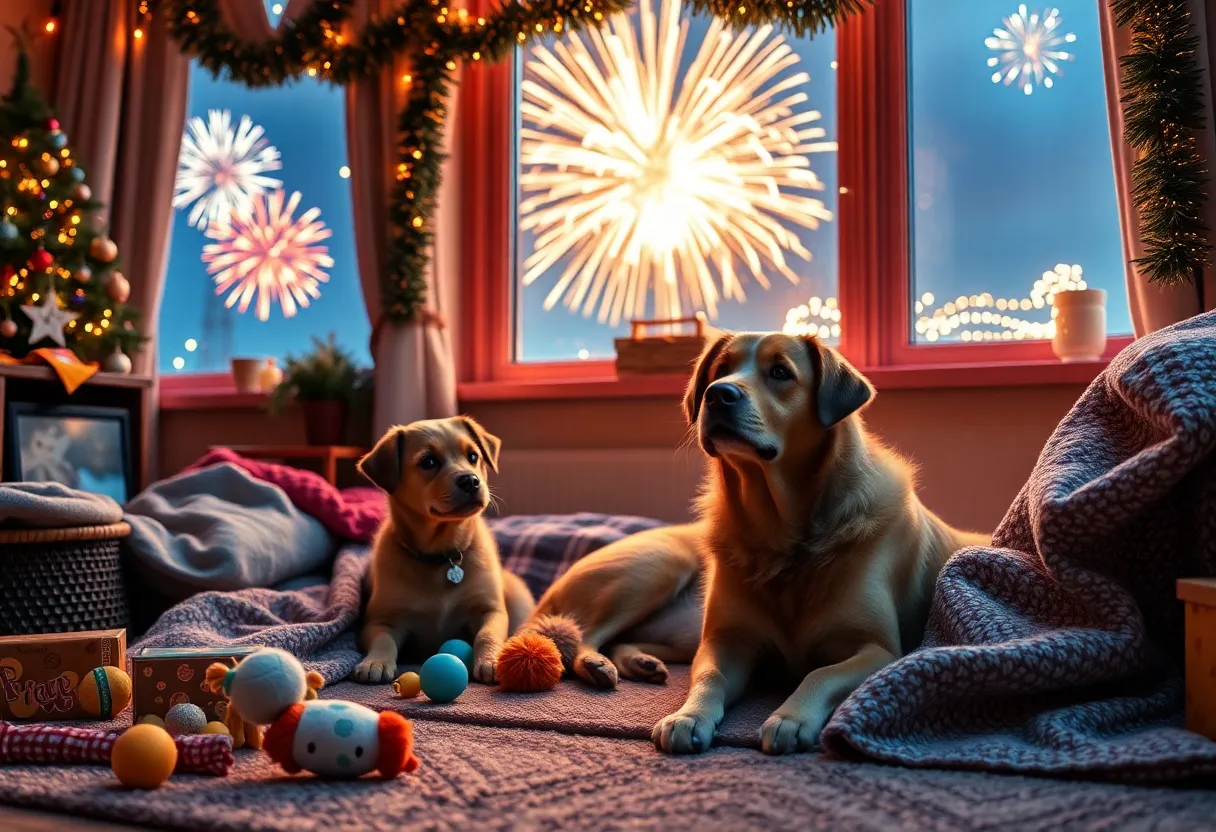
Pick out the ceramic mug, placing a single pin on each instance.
(246, 372)
(1080, 325)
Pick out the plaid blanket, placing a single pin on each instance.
(1058, 649)
(317, 623)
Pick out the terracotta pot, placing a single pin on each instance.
(324, 422)
(1080, 325)
(245, 374)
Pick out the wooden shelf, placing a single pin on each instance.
(41, 372)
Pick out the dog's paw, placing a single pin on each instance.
(597, 670)
(788, 734)
(643, 668)
(485, 670)
(373, 672)
(683, 733)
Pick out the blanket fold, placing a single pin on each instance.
(1058, 649)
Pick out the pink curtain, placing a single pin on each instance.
(415, 372)
(1153, 306)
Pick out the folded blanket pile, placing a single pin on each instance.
(1058, 649)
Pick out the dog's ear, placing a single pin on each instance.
(700, 378)
(489, 443)
(840, 391)
(382, 465)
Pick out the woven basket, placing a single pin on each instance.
(62, 580)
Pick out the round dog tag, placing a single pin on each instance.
(455, 574)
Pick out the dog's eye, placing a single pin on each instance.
(429, 462)
(472, 457)
(780, 372)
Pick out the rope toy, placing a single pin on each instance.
(60, 745)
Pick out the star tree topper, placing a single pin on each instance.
(49, 320)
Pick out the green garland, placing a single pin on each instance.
(1162, 110)
(434, 38)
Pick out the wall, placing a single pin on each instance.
(13, 13)
(974, 447)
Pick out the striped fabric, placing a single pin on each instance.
(60, 744)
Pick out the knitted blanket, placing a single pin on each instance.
(1059, 649)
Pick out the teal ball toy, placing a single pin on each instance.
(444, 677)
(461, 649)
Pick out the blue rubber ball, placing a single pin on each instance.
(444, 677)
(461, 649)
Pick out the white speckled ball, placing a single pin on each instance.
(186, 718)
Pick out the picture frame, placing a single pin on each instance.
(83, 447)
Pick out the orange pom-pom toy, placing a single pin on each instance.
(529, 662)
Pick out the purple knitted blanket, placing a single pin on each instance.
(1058, 650)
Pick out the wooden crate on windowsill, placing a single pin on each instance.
(643, 354)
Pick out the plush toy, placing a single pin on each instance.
(341, 739)
(533, 659)
(260, 688)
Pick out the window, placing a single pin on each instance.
(958, 202)
(1012, 179)
(262, 255)
(656, 187)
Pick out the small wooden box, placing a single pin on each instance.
(640, 354)
(1200, 597)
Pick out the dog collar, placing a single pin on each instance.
(453, 558)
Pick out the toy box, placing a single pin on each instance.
(166, 676)
(1200, 597)
(39, 674)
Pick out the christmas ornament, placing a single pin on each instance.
(117, 362)
(118, 287)
(48, 165)
(48, 320)
(40, 260)
(83, 274)
(8, 233)
(76, 173)
(8, 329)
(52, 124)
(82, 193)
(103, 249)
(58, 139)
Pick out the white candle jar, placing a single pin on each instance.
(1080, 325)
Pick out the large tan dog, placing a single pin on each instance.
(812, 552)
(435, 572)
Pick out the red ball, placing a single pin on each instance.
(40, 260)
(52, 124)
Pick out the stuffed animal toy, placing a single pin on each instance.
(330, 738)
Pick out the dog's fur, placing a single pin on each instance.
(412, 605)
(812, 552)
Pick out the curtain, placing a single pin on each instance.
(415, 375)
(1153, 306)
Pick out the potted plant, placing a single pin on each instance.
(324, 382)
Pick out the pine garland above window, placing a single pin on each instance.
(1162, 111)
(434, 38)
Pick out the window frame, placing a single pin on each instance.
(873, 221)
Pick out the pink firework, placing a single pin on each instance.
(267, 253)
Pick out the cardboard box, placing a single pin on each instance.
(166, 676)
(1200, 597)
(39, 674)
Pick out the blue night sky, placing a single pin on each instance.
(1004, 187)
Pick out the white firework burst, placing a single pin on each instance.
(220, 169)
(641, 180)
(1030, 49)
(268, 254)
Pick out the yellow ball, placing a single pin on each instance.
(152, 719)
(214, 727)
(105, 692)
(408, 685)
(143, 756)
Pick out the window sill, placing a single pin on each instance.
(943, 376)
(210, 391)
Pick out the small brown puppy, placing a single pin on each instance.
(812, 552)
(435, 572)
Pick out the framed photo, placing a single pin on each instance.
(87, 448)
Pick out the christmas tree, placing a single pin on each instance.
(59, 279)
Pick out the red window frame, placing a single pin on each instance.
(873, 223)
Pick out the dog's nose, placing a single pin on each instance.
(468, 483)
(723, 394)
